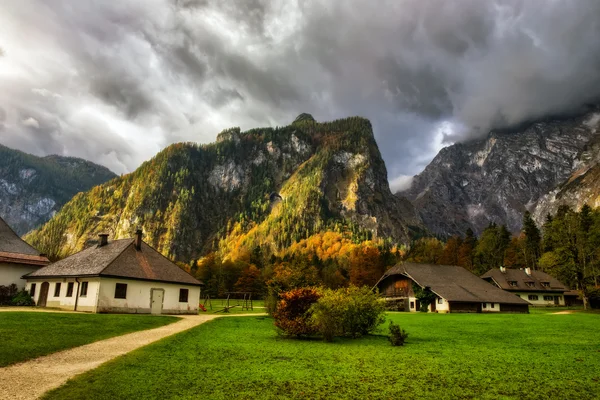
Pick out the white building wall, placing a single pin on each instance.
(84, 303)
(490, 307)
(540, 302)
(139, 297)
(12, 273)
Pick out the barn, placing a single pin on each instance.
(455, 290)
(121, 276)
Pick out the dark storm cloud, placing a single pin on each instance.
(117, 81)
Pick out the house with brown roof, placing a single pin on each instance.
(455, 288)
(536, 287)
(121, 276)
(17, 258)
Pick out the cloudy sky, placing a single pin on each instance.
(116, 81)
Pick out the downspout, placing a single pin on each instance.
(76, 294)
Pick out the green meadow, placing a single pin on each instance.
(27, 335)
(507, 356)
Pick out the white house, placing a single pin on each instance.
(17, 258)
(455, 290)
(536, 287)
(121, 276)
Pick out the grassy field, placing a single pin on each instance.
(26, 335)
(219, 304)
(537, 356)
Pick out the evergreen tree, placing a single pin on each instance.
(533, 241)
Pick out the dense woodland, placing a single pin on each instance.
(567, 246)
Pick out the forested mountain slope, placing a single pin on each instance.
(33, 188)
(266, 187)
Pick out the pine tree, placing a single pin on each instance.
(533, 241)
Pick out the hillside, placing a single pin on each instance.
(33, 188)
(266, 187)
(495, 179)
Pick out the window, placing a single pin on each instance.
(83, 291)
(530, 284)
(32, 290)
(548, 298)
(412, 304)
(183, 295)
(440, 301)
(533, 297)
(121, 291)
(57, 289)
(492, 305)
(545, 284)
(70, 289)
(513, 283)
(484, 305)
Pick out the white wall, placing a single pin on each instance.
(490, 307)
(440, 308)
(12, 273)
(84, 303)
(138, 297)
(540, 301)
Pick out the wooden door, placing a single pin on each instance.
(433, 303)
(157, 301)
(43, 294)
(556, 302)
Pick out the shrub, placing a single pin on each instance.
(7, 293)
(397, 335)
(293, 314)
(22, 299)
(349, 311)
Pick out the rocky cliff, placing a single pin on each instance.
(33, 188)
(495, 179)
(269, 186)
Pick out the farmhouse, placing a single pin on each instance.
(17, 258)
(123, 276)
(537, 287)
(455, 290)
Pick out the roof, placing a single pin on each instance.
(453, 283)
(10, 242)
(15, 258)
(522, 279)
(118, 259)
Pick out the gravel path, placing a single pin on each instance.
(31, 379)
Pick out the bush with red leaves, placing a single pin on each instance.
(292, 316)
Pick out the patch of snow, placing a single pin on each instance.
(228, 176)
(464, 183)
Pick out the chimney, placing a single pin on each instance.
(138, 240)
(528, 271)
(103, 239)
(503, 270)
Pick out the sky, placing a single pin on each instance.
(116, 81)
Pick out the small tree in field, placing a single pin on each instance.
(292, 315)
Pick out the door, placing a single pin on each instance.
(433, 305)
(157, 301)
(43, 294)
(556, 302)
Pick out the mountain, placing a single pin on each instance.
(33, 188)
(495, 179)
(269, 186)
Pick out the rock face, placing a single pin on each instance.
(189, 199)
(469, 185)
(33, 188)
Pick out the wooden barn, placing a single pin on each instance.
(455, 288)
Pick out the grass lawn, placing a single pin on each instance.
(27, 335)
(536, 356)
(219, 304)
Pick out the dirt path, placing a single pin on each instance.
(564, 312)
(31, 379)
